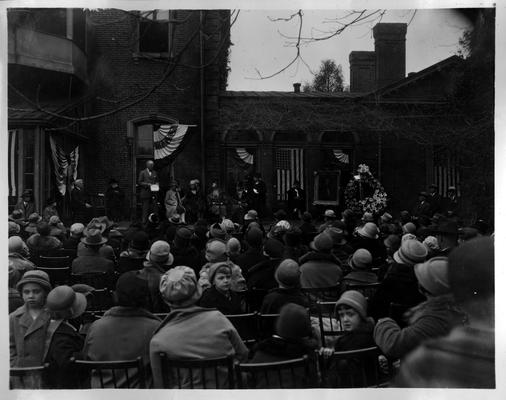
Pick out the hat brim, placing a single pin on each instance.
(79, 305)
(397, 258)
(104, 240)
(362, 233)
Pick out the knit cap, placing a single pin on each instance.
(217, 232)
(179, 287)
(213, 269)
(288, 274)
(431, 242)
(35, 276)
(216, 250)
(432, 275)
(355, 300)
(411, 252)
(408, 236)
(293, 322)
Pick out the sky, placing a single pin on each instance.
(260, 49)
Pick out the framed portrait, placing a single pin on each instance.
(327, 187)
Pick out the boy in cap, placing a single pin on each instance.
(220, 295)
(191, 332)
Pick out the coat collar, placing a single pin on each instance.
(26, 321)
(121, 311)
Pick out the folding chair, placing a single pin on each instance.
(355, 369)
(54, 261)
(329, 324)
(114, 374)
(266, 325)
(97, 280)
(367, 289)
(330, 293)
(27, 377)
(287, 374)
(216, 373)
(247, 327)
(57, 276)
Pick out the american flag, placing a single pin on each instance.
(289, 167)
(446, 172)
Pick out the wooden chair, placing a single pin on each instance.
(254, 298)
(367, 289)
(97, 280)
(71, 253)
(100, 300)
(27, 377)
(353, 369)
(266, 325)
(216, 373)
(247, 327)
(274, 375)
(329, 324)
(330, 293)
(115, 374)
(57, 276)
(54, 261)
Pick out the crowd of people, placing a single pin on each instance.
(175, 284)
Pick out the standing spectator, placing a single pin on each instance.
(173, 201)
(431, 319)
(216, 202)
(434, 200)
(129, 322)
(191, 332)
(319, 268)
(28, 324)
(452, 203)
(296, 200)
(147, 178)
(253, 253)
(466, 357)
(132, 259)
(64, 341)
(50, 210)
(258, 193)
(92, 261)
(26, 204)
(114, 200)
(422, 207)
(18, 255)
(76, 234)
(288, 291)
(361, 264)
(42, 241)
(261, 275)
(79, 204)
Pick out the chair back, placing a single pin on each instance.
(287, 374)
(97, 280)
(367, 289)
(57, 276)
(100, 300)
(247, 327)
(352, 369)
(28, 377)
(266, 325)
(330, 326)
(254, 298)
(216, 373)
(54, 261)
(127, 374)
(330, 293)
(71, 253)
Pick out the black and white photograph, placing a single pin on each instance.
(241, 197)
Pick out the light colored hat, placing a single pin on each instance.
(369, 230)
(64, 300)
(35, 276)
(13, 228)
(34, 218)
(355, 300)
(251, 215)
(368, 217)
(17, 245)
(408, 236)
(284, 224)
(160, 253)
(227, 225)
(194, 182)
(361, 259)
(233, 246)
(330, 214)
(386, 217)
(216, 250)
(409, 227)
(179, 287)
(432, 275)
(322, 242)
(411, 252)
(76, 229)
(54, 220)
(431, 242)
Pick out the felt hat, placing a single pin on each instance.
(34, 218)
(184, 233)
(368, 217)
(54, 220)
(233, 246)
(251, 215)
(179, 287)
(329, 214)
(347, 213)
(471, 269)
(288, 274)
(293, 322)
(94, 238)
(217, 232)
(139, 241)
(84, 289)
(431, 242)
(408, 236)
(16, 214)
(17, 245)
(432, 275)
(273, 248)
(175, 219)
(409, 227)
(369, 230)
(361, 259)
(411, 252)
(355, 300)
(216, 250)
(213, 269)
(254, 237)
(322, 242)
(13, 228)
(35, 276)
(64, 300)
(386, 217)
(392, 241)
(160, 253)
(132, 289)
(76, 229)
(283, 224)
(336, 234)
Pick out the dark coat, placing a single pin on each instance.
(309, 231)
(319, 270)
(422, 208)
(249, 258)
(71, 243)
(95, 263)
(66, 342)
(15, 300)
(152, 273)
(114, 198)
(296, 199)
(213, 298)
(278, 297)
(78, 205)
(145, 180)
(360, 277)
(399, 286)
(27, 209)
(40, 244)
(436, 203)
(130, 262)
(261, 275)
(188, 256)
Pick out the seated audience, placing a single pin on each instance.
(261, 275)
(76, 234)
(220, 295)
(18, 254)
(132, 259)
(361, 265)
(253, 253)
(92, 261)
(42, 242)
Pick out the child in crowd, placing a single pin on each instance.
(220, 295)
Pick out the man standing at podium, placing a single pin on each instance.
(148, 181)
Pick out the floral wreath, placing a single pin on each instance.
(375, 203)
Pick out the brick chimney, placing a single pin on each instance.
(390, 49)
(296, 87)
(362, 71)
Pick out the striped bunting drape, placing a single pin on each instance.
(341, 156)
(289, 167)
(13, 162)
(446, 176)
(167, 139)
(244, 155)
(64, 167)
